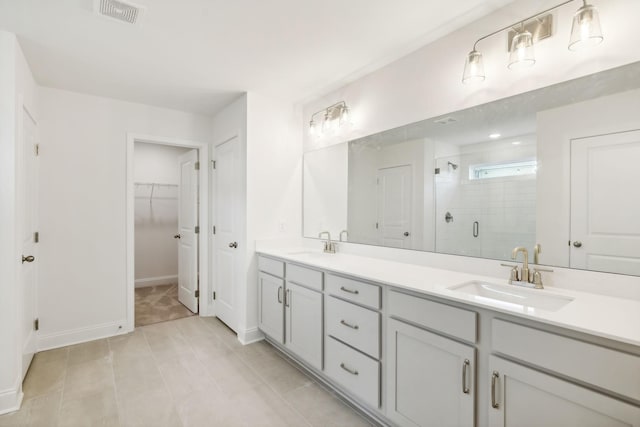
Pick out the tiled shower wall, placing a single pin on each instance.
(504, 208)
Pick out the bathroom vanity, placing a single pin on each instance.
(417, 346)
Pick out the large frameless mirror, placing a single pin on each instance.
(556, 167)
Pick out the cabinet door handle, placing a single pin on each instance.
(348, 325)
(351, 371)
(351, 291)
(287, 298)
(465, 366)
(494, 379)
(280, 294)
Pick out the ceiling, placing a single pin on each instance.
(198, 55)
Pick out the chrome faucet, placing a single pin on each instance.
(524, 272)
(522, 277)
(329, 246)
(536, 253)
(346, 233)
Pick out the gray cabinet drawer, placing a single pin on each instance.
(603, 367)
(357, 326)
(304, 276)
(443, 318)
(357, 373)
(271, 266)
(354, 290)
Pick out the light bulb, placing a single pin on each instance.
(585, 31)
(473, 68)
(522, 54)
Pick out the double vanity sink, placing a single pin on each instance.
(510, 296)
(419, 346)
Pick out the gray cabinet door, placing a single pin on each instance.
(430, 379)
(522, 397)
(270, 306)
(303, 313)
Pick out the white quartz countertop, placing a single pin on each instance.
(603, 316)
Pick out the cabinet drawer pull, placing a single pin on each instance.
(352, 372)
(465, 366)
(351, 291)
(348, 325)
(494, 379)
(280, 294)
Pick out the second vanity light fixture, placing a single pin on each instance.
(585, 32)
(329, 120)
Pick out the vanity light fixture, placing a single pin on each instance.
(585, 32)
(331, 118)
(521, 50)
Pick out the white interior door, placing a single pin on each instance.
(28, 226)
(394, 206)
(605, 206)
(187, 223)
(227, 208)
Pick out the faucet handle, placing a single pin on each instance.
(513, 275)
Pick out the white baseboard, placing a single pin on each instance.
(80, 335)
(156, 281)
(249, 336)
(10, 400)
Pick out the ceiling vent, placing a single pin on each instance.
(445, 120)
(119, 10)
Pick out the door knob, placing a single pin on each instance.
(29, 258)
(406, 234)
(177, 236)
(577, 244)
(233, 245)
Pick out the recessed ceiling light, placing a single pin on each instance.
(494, 136)
(516, 142)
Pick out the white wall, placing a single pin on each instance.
(325, 191)
(18, 91)
(82, 204)
(427, 83)
(556, 128)
(156, 213)
(274, 189)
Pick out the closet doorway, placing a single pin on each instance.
(165, 249)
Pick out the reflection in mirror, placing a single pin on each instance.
(556, 167)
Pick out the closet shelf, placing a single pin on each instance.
(152, 187)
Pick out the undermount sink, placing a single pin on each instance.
(512, 297)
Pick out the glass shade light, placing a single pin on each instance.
(585, 31)
(522, 54)
(345, 116)
(330, 124)
(473, 68)
(313, 128)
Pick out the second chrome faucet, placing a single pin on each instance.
(523, 276)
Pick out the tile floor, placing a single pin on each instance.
(156, 304)
(186, 372)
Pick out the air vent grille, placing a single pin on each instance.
(124, 12)
(445, 120)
